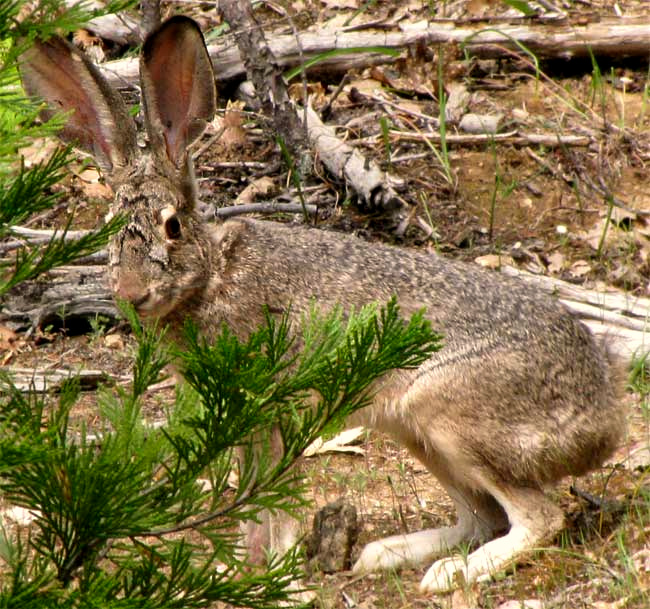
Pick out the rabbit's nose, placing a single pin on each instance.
(129, 287)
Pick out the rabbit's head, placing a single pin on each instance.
(158, 259)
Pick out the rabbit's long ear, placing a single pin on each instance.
(68, 81)
(178, 87)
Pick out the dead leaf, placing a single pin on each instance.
(97, 190)
(7, 338)
(591, 237)
(84, 39)
(341, 442)
(409, 106)
(457, 101)
(38, 151)
(315, 92)
(520, 114)
(90, 175)
(580, 268)
(233, 135)
(411, 79)
(91, 45)
(613, 235)
(465, 597)
(478, 8)
(365, 86)
(494, 261)
(556, 262)
(261, 187)
(114, 341)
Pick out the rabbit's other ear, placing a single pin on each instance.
(99, 121)
(178, 87)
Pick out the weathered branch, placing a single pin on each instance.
(514, 138)
(608, 37)
(268, 207)
(619, 316)
(374, 187)
(363, 178)
(29, 379)
(265, 73)
(69, 293)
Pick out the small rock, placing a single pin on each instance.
(334, 533)
(114, 341)
(480, 123)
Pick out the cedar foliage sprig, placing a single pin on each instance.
(130, 515)
(25, 191)
(113, 508)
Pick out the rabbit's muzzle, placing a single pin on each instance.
(128, 286)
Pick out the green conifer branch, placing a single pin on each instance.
(111, 507)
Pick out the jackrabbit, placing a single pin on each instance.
(520, 396)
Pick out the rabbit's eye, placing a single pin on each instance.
(172, 227)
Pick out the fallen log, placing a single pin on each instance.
(563, 40)
(121, 27)
(70, 295)
(621, 318)
(30, 379)
(375, 188)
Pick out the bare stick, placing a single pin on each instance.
(375, 188)
(268, 207)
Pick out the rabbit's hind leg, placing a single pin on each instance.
(533, 518)
(479, 518)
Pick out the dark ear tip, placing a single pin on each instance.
(178, 19)
(54, 44)
(177, 22)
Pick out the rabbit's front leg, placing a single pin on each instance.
(274, 533)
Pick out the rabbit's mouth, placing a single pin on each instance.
(153, 305)
(147, 303)
(150, 307)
